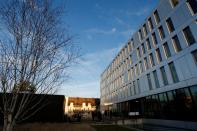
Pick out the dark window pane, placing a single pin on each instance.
(156, 79)
(149, 82)
(193, 90)
(138, 82)
(164, 77)
(143, 49)
(145, 63)
(176, 43)
(161, 32)
(166, 49)
(148, 44)
(145, 30)
(193, 5)
(140, 35)
(154, 38)
(134, 88)
(173, 72)
(150, 24)
(188, 35)
(159, 58)
(156, 15)
(138, 53)
(152, 62)
(170, 25)
(184, 104)
(194, 53)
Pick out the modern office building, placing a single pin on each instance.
(155, 73)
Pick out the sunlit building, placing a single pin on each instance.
(79, 104)
(155, 73)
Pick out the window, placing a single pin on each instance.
(170, 25)
(158, 54)
(145, 30)
(156, 15)
(134, 87)
(188, 35)
(143, 49)
(145, 63)
(148, 44)
(140, 67)
(138, 83)
(176, 43)
(140, 35)
(150, 24)
(166, 50)
(156, 79)
(149, 82)
(192, 4)
(130, 58)
(138, 53)
(152, 62)
(154, 38)
(173, 72)
(136, 70)
(161, 33)
(129, 47)
(193, 90)
(163, 75)
(132, 73)
(163, 103)
(194, 53)
(174, 2)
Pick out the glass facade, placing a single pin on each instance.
(179, 104)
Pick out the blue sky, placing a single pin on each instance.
(101, 28)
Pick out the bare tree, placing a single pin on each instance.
(35, 51)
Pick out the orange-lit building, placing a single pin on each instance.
(78, 104)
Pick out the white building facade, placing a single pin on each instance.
(155, 73)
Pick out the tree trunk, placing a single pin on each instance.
(7, 126)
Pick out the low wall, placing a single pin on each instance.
(52, 110)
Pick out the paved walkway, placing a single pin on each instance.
(147, 127)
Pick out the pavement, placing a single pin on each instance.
(148, 127)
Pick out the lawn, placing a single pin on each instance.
(110, 128)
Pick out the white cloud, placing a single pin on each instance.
(140, 12)
(102, 31)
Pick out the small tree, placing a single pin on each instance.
(35, 53)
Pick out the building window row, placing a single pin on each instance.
(124, 60)
(135, 87)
